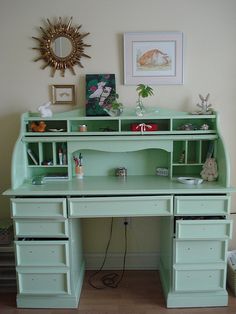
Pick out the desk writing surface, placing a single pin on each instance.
(131, 185)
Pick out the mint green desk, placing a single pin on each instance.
(194, 218)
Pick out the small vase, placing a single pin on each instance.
(140, 109)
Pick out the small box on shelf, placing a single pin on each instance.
(144, 127)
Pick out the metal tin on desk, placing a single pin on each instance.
(121, 172)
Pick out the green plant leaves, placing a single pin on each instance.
(144, 90)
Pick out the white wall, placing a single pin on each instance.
(209, 28)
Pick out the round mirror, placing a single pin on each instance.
(61, 46)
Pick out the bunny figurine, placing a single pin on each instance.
(45, 110)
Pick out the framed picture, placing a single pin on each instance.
(63, 94)
(100, 90)
(153, 58)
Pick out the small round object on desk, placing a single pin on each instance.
(121, 172)
(83, 128)
(190, 180)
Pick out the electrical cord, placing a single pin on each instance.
(111, 280)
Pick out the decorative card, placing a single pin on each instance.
(100, 90)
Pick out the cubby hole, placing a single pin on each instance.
(195, 123)
(189, 156)
(191, 152)
(162, 124)
(51, 126)
(104, 125)
(33, 154)
(102, 163)
(48, 173)
(61, 153)
(186, 171)
(47, 154)
(179, 152)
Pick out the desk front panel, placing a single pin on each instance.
(121, 206)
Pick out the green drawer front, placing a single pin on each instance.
(38, 208)
(42, 253)
(202, 205)
(203, 229)
(121, 206)
(200, 251)
(43, 283)
(199, 280)
(42, 228)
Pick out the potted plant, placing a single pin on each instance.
(143, 91)
(116, 107)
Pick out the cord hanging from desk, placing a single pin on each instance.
(110, 280)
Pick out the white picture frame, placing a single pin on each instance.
(154, 58)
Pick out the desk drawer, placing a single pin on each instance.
(202, 205)
(41, 228)
(42, 253)
(43, 282)
(120, 206)
(200, 251)
(38, 208)
(189, 280)
(203, 229)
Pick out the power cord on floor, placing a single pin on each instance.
(112, 279)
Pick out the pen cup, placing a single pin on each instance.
(79, 172)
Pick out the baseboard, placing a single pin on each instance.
(142, 261)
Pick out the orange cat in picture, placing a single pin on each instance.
(154, 57)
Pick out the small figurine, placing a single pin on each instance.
(204, 127)
(45, 111)
(209, 171)
(37, 126)
(188, 127)
(204, 106)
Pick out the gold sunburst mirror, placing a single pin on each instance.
(61, 46)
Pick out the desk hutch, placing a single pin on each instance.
(194, 227)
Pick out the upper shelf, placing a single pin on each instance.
(159, 121)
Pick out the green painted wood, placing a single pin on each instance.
(53, 301)
(40, 228)
(166, 252)
(39, 208)
(197, 278)
(199, 251)
(43, 281)
(120, 206)
(42, 253)
(203, 229)
(204, 205)
(199, 299)
(196, 256)
(111, 185)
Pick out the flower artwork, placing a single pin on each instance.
(100, 91)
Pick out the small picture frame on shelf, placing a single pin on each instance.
(63, 94)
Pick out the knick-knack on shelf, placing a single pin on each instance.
(209, 171)
(205, 108)
(45, 110)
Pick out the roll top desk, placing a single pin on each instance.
(195, 225)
